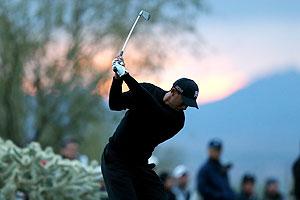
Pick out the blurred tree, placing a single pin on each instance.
(49, 67)
(14, 48)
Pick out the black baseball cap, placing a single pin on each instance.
(271, 181)
(248, 178)
(189, 91)
(215, 144)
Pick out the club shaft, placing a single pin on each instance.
(131, 30)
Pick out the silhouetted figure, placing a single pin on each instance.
(272, 190)
(168, 183)
(247, 188)
(181, 176)
(153, 116)
(212, 179)
(296, 176)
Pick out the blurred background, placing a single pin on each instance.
(55, 59)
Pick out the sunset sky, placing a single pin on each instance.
(243, 41)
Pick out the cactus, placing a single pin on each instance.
(44, 175)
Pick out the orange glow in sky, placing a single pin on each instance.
(218, 87)
(212, 88)
(214, 83)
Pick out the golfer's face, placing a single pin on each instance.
(177, 102)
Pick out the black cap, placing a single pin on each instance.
(68, 140)
(248, 178)
(189, 91)
(271, 181)
(215, 144)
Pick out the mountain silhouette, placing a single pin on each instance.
(259, 125)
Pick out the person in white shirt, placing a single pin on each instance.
(181, 190)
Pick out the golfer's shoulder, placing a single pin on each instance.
(148, 85)
(181, 119)
(151, 87)
(177, 118)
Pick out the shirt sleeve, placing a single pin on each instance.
(119, 100)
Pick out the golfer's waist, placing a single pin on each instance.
(128, 155)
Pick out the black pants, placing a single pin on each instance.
(130, 182)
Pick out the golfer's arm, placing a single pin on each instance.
(143, 97)
(118, 100)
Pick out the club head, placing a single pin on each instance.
(145, 15)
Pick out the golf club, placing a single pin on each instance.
(146, 17)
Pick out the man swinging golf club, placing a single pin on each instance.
(153, 116)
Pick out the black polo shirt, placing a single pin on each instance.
(147, 122)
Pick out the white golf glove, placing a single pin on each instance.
(118, 66)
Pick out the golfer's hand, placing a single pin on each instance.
(118, 66)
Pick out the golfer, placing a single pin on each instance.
(153, 116)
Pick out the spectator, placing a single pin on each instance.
(272, 190)
(212, 179)
(296, 176)
(181, 176)
(70, 150)
(247, 188)
(168, 183)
